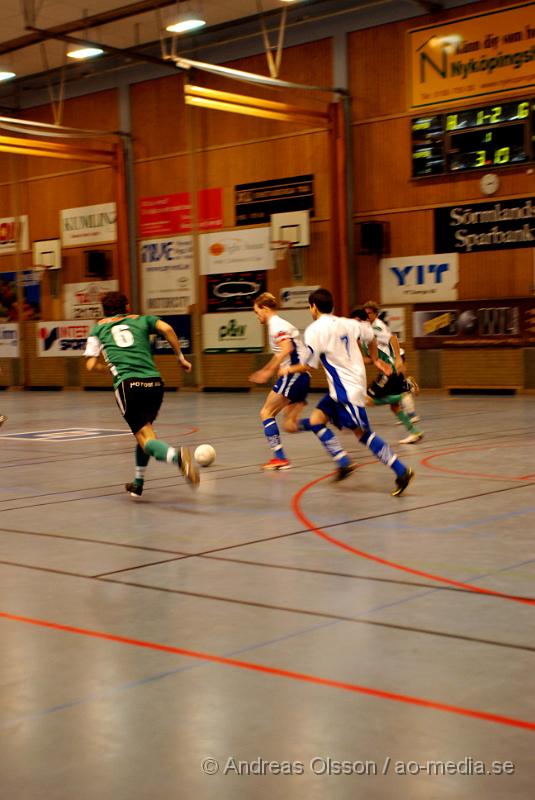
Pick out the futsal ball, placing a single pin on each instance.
(204, 455)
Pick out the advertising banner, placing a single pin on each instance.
(31, 295)
(478, 227)
(256, 202)
(235, 251)
(395, 319)
(65, 338)
(419, 279)
(14, 235)
(296, 296)
(235, 290)
(235, 332)
(168, 214)
(9, 340)
(476, 323)
(488, 53)
(181, 325)
(167, 275)
(88, 224)
(82, 300)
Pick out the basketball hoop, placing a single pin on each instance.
(281, 247)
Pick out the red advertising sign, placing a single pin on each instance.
(167, 214)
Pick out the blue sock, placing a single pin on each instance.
(330, 443)
(304, 425)
(383, 452)
(272, 434)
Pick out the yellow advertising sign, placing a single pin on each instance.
(479, 55)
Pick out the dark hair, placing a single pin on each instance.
(322, 299)
(266, 300)
(114, 303)
(358, 313)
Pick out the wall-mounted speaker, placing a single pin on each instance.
(374, 238)
(98, 264)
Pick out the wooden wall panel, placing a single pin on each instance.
(488, 368)
(376, 66)
(496, 274)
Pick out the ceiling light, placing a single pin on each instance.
(186, 24)
(85, 52)
(6, 75)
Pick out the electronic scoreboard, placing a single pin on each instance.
(474, 138)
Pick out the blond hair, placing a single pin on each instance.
(266, 300)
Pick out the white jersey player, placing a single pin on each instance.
(290, 391)
(333, 342)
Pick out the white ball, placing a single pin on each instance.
(204, 455)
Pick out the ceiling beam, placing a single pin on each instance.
(125, 52)
(114, 15)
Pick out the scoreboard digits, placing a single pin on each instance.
(474, 138)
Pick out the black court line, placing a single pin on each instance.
(268, 565)
(220, 473)
(183, 555)
(434, 443)
(284, 609)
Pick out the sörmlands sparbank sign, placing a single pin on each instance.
(485, 226)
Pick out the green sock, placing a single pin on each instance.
(389, 400)
(161, 451)
(142, 459)
(405, 420)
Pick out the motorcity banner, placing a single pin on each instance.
(235, 290)
(167, 275)
(256, 202)
(88, 224)
(235, 251)
(31, 295)
(83, 300)
(233, 332)
(64, 338)
(476, 227)
(476, 323)
(9, 340)
(181, 324)
(419, 279)
(167, 214)
(473, 56)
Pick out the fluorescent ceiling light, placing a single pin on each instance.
(184, 25)
(5, 75)
(85, 52)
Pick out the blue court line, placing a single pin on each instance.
(122, 687)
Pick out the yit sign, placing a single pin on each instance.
(419, 279)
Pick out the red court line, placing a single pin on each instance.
(393, 564)
(280, 673)
(426, 462)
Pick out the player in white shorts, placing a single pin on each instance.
(290, 391)
(333, 341)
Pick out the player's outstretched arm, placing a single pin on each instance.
(264, 374)
(374, 355)
(168, 333)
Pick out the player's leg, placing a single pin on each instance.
(140, 401)
(383, 452)
(325, 411)
(3, 418)
(296, 392)
(274, 403)
(414, 434)
(292, 413)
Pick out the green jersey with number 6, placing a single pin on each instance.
(124, 342)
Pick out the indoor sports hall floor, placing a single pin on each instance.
(266, 617)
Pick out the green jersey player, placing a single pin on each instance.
(123, 340)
